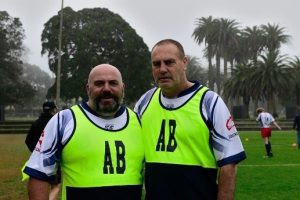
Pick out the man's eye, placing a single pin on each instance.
(99, 83)
(114, 83)
(156, 63)
(169, 62)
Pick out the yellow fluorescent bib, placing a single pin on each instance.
(177, 136)
(95, 157)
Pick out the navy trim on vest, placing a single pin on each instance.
(161, 104)
(211, 117)
(208, 122)
(190, 89)
(148, 97)
(74, 127)
(127, 113)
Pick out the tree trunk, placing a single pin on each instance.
(271, 105)
(2, 113)
(218, 72)
(297, 95)
(225, 69)
(210, 72)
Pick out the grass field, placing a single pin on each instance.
(259, 178)
(13, 154)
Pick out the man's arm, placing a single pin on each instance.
(37, 189)
(226, 184)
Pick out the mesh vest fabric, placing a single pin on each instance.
(95, 157)
(177, 136)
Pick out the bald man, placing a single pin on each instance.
(98, 144)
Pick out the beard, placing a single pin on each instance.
(107, 108)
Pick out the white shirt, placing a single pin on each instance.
(265, 119)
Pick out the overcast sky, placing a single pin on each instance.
(154, 20)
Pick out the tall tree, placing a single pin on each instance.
(271, 77)
(227, 31)
(13, 89)
(274, 36)
(39, 80)
(295, 74)
(94, 36)
(254, 42)
(219, 36)
(203, 33)
(238, 85)
(195, 71)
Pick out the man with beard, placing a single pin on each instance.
(97, 143)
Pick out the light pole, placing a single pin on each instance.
(59, 57)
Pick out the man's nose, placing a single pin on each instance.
(163, 68)
(106, 87)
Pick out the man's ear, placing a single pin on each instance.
(87, 88)
(186, 62)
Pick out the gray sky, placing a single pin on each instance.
(159, 19)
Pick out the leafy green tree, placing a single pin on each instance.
(39, 80)
(91, 37)
(13, 88)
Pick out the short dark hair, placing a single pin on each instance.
(171, 41)
(48, 105)
(259, 110)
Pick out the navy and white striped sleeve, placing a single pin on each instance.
(142, 103)
(44, 160)
(226, 142)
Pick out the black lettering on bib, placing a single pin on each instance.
(108, 167)
(160, 146)
(172, 144)
(121, 164)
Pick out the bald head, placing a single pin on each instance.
(105, 70)
(105, 89)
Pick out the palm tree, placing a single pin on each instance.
(274, 36)
(270, 77)
(228, 40)
(219, 36)
(254, 42)
(295, 65)
(238, 85)
(203, 34)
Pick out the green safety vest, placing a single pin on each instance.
(95, 157)
(178, 135)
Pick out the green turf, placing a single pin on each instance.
(13, 154)
(259, 178)
(269, 178)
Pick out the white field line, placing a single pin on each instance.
(271, 165)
